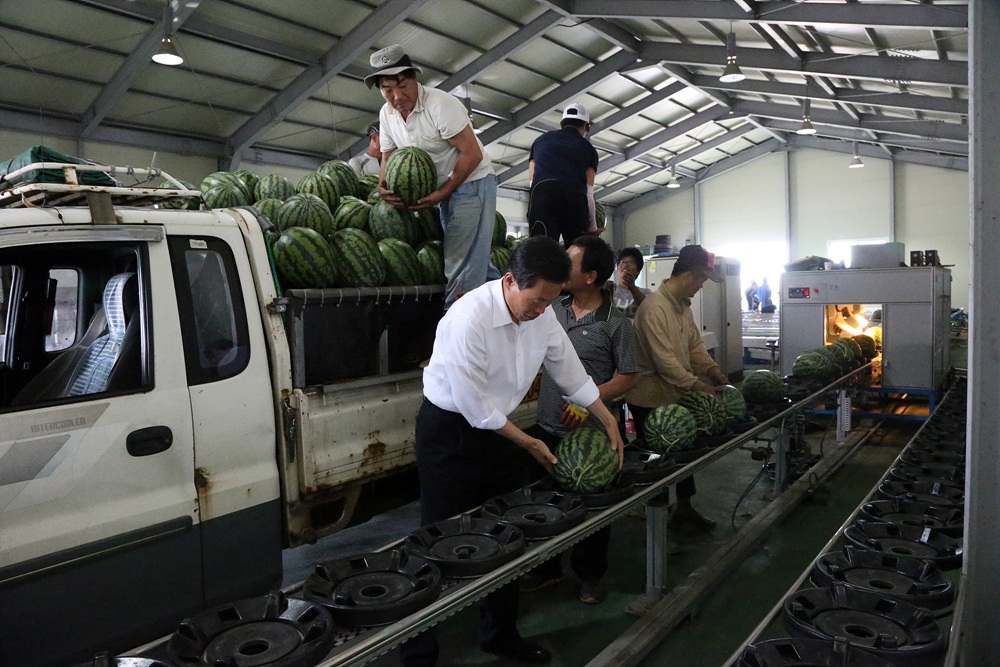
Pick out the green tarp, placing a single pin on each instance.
(45, 154)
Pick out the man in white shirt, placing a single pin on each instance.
(369, 162)
(439, 123)
(488, 349)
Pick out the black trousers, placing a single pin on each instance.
(589, 557)
(459, 468)
(685, 487)
(555, 209)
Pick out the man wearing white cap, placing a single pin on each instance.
(439, 123)
(561, 168)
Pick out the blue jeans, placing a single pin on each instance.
(468, 216)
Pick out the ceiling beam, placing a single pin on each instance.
(881, 124)
(911, 157)
(905, 101)
(913, 70)
(780, 12)
(657, 139)
(133, 65)
(575, 86)
(618, 36)
(689, 154)
(687, 78)
(850, 134)
(760, 124)
(375, 26)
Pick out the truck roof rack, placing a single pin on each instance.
(14, 194)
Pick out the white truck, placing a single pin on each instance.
(169, 421)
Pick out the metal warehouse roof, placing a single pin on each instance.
(281, 82)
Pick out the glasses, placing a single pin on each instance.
(627, 263)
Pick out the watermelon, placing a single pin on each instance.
(514, 241)
(358, 258)
(586, 461)
(762, 387)
(707, 410)
(867, 345)
(401, 264)
(429, 222)
(304, 259)
(733, 403)
(249, 179)
(852, 346)
(389, 222)
(500, 257)
(410, 173)
(268, 208)
(342, 174)
(274, 186)
(813, 365)
(499, 230)
(187, 204)
(670, 428)
(306, 210)
(431, 258)
(841, 356)
(323, 187)
(352, 212)
(366, 185)
(374, 197)
(600, 214)
(222, 189)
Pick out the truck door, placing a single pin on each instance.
(99, 547)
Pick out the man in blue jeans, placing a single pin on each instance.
(438, 122)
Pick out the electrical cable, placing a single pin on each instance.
(753, 483)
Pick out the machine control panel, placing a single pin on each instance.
(800, 292)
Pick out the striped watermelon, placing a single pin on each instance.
(499, 230)
(249, 179)
(186, 204)
(222, 189)
(305, 210)
(342, 174)
(733, 403)
(586, 461)
(813, 365)
(431, 258)
(401, 264)
(762, 387)
(867, 345)
(670, 428)
(429, 222)
(268, 208)
(707, 411)
(600, 214)
(514, 241)
(852, 347)
(358, 258)
(366, 184)
(274, 186)
(374, 197)
(410, 173)
(323, 187)
(352, 212)
(304, 259)
(842, 357)
(500, 257)
(389, 222)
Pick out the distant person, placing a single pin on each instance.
(751, 295)
(628, 295)
(562, 166)
(764, 297)
(369, 161)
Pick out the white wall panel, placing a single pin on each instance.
(673, 215)
(746, 203)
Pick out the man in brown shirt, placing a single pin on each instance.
(673, 358)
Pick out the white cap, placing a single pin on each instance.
(576, 111)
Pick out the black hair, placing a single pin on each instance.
(574, 122)
(633, 253)
(597, 256)
(539, 258)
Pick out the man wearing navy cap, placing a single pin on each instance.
(673, 358)
(438, 122)
(562, 166)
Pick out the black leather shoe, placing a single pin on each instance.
(521, 650)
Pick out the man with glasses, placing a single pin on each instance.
(439, 123)
(628, 295)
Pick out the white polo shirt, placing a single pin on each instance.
(483, 363)
(365, 164)
(436, 117)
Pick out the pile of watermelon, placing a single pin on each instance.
(707, 410)
(762, 387)
(827, 363)
(586, 461)
(670, 428)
